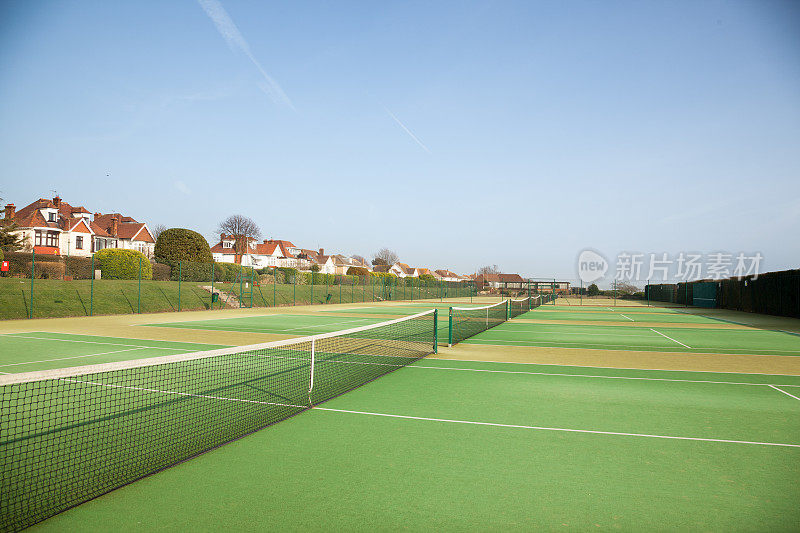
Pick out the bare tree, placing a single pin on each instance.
(493, 269)
(157, 230)
(242, 229)
(360, 258)
(384, 256)
(623, 287)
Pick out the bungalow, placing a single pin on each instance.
(54, 227)
(500, 281)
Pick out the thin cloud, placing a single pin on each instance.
(235, 40)
(181, 187)
(410, 133)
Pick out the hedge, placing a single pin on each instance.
(118, 263)
(357, 271)
(180, 244)
(161, 272)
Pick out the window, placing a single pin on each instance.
(227, 244)
(51, 239)
(38, 238)
(79, 243)
(51, 217)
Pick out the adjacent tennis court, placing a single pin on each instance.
(461, 445)
(440, 441)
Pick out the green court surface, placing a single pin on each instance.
(548, 313)
(457, 445)
(298, 325)
(28, 352)
(661, 339)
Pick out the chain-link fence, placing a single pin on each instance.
(39, 286)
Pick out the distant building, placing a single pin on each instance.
(54, 227)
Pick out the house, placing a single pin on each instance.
(559, 287)
(500, 281)
(269, 253)
(402, 270)
(424, 272)
(54, 227)
(447, 275)
(343, 263)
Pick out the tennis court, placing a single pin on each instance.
(452, 442)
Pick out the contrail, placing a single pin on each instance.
(235, 40)
(407, 130)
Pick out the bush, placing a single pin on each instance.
(357, 271)
(427, 278)
(49, 269)
(117, 263)
(161, 272)
(387, 275)
(179, 244)
(78, 267)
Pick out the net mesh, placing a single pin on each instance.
(69, 435)
(520, 306)
(466, 322)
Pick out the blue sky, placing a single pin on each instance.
(457, 133)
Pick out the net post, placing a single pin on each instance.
(311, 373)
(91, 291)
(435, 331)
(450, 329)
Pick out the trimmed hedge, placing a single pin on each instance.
(117, 263)
(180, 244)
(357, 271)
(161, 272)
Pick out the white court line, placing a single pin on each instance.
(546, 344)
(629, 318)
(635, 378)
(612, 367)
(783, 391)
(537, 331)
(73, 357)
(670, 338)
(567, 430)
(15, 336)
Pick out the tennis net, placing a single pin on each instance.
(520, 306)
(69, 435)
(468, 321)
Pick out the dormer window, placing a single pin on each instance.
(227, 244)
(51, 217)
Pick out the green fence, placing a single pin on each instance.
(38, 286)
(771, 293)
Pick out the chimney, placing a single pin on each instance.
(10, 210)
(57, 201)
(114, 225)
(322, 251)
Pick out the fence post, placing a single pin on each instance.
(212, 285)
(275, 288)
(139, 295)
(180, 271)
(33, 275)
(450, 328)
(435, 331)
(312, 288)
(91, 291)
(294, 290)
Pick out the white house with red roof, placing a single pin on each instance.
(269, 253)
(54, 227)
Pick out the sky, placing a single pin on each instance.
(458, 134)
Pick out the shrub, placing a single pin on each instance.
(387, 275)
(357, 271)
(78, 267)
(427, 278)
(180, 244)
(161, 272)
(49, 269)
(117, 263)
